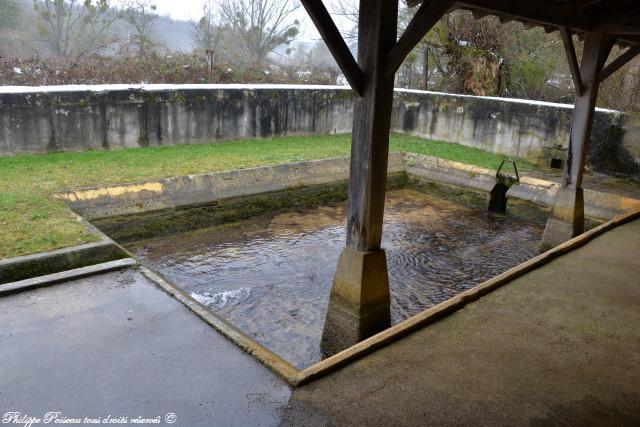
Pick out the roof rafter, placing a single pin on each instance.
(425, 18)
(553, 15)
(336, 44)
(570, 50)
(619, 62)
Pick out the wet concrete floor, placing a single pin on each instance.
(557, 346)
(114, 344)
(271, 275)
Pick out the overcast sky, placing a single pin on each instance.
(192, 10)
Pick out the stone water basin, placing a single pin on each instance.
(271, 275)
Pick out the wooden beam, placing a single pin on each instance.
(596, 46)
(619, 17)
(619, 62)
(336, 44)
(479, 14)
(570, 51)
(623, 20)
(609, 43)
(587, 3)
(532, 11)
(425, 18)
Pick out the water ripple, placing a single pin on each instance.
(271, 276)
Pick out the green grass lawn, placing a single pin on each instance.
(32, 221)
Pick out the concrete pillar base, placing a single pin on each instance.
(566, 219)
(359, 305)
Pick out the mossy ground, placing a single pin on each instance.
(32, 220)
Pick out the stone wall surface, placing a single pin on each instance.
(108, 117)
(76, 118)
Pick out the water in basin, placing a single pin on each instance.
(271, 276)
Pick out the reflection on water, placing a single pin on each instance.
(271, 276)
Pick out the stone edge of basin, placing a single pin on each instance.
(295, 377)
(91, 258)
(598, 205)
(39, 266)
(64, 276)
(59, 260)
(272, 361)
(200, 189)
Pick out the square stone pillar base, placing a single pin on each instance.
(566, 219)
(359, 305)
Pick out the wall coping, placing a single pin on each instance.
(216, 86)
(159, 87)
(498, 98)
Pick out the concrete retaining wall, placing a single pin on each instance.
(76, 118)
(25, 267)
(210, 188)
(207, 188)
(109, 117)
(598, 205)
(536, 131)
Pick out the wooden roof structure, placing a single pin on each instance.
(618, 18)
(359, 303)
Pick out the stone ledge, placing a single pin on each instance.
(25, 267)
(63, 276)
(203, 189)
(598, 205)
(206, 188)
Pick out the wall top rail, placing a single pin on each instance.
(160, 87)
(501, 99)
(62, 89)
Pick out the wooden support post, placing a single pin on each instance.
(359, 301)
(567, 215)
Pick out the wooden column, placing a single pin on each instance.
(371, 123)
(359, 302)
(567, 215)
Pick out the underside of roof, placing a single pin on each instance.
(618, 18)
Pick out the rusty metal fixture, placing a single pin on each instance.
(498, 195)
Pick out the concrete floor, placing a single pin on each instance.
(560, 345)
(116, 344)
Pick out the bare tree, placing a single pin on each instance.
(261, 25)
(140, 15)
(348, 10)
(208, 30)
(72, 28)
(208, 34)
